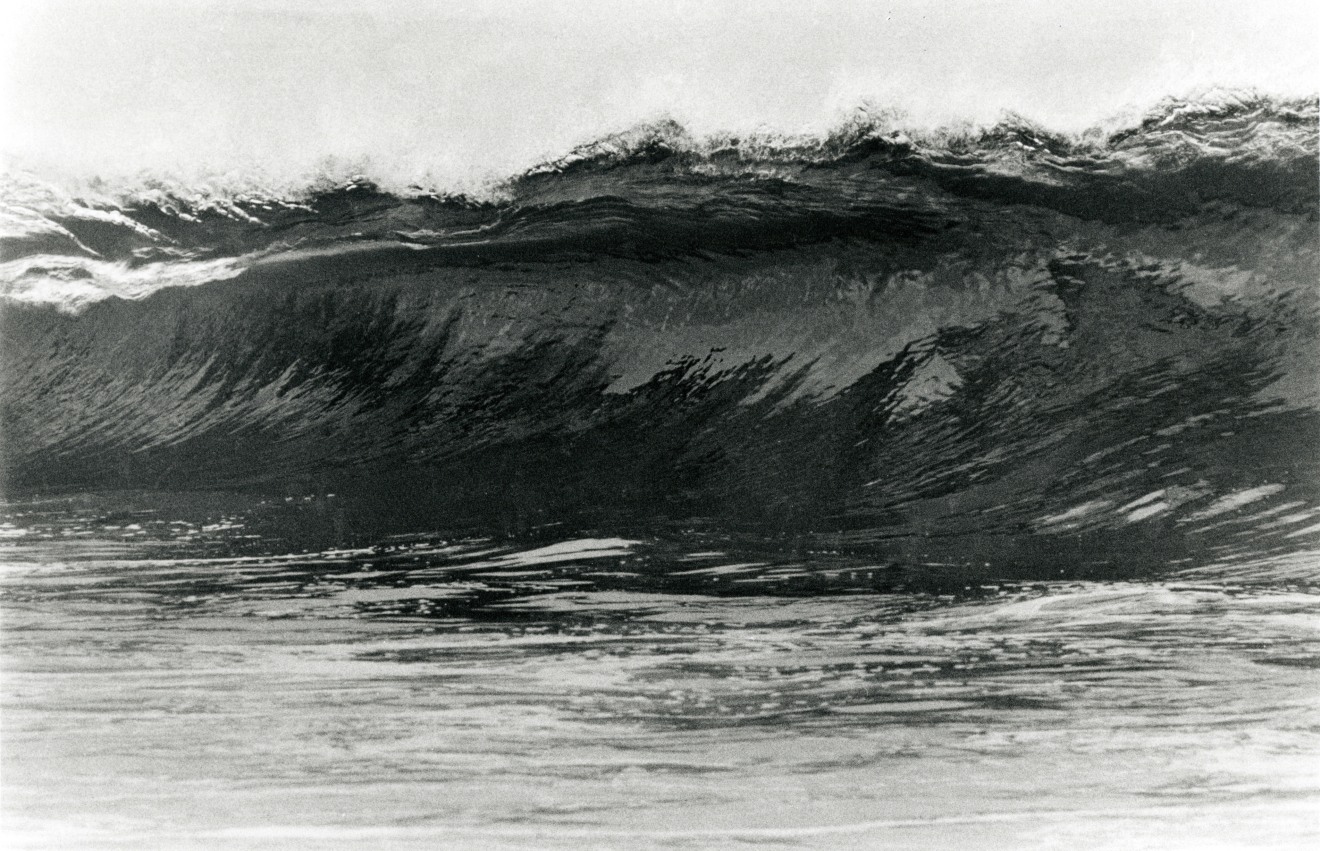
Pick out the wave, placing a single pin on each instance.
(998, 346)
(657, 191)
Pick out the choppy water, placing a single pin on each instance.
(608, 693)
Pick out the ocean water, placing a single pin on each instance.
(614, 693)
(883, 489)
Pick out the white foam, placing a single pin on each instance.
(1236, 500)
(72, 283)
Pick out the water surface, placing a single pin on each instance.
(610, 693)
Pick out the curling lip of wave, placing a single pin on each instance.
(657, 189)
(1177, 129)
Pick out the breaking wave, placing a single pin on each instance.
(975, 346)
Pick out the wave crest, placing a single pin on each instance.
(1218, 121)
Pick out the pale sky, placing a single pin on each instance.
(463, 90)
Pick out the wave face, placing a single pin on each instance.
(1000, 347)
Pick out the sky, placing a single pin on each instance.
(460, 91)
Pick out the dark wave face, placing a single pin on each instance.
(1007, 350)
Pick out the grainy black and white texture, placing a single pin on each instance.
(884, 486)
